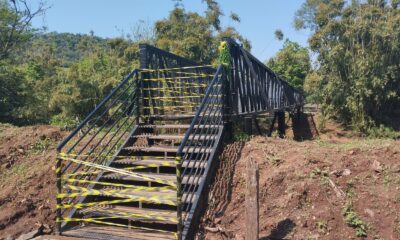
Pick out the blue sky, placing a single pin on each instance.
(107, 18)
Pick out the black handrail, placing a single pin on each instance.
(88, 117)
(207, 123)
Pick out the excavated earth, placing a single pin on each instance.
(304, 184)
(27, 179)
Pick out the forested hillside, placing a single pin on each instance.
(354, 75)
(58, 78)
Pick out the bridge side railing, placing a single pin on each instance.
(255, 88)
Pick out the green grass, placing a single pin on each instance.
(18, 170)
(362, 144)
(41, 145)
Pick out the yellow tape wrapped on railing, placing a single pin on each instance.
(99, 221)
(119, 171)
(145, 70)
(133, 187)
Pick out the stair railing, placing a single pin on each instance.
(197, 150)
(97, 140)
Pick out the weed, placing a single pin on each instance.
(383, 132)
(353, 220)
(321, 123)
(386, 179)
(19, 170)
(240, 136)
(275, 160)
(322, 174)
(322, 226)
(350, 189)
(41, 145)
(65, 123)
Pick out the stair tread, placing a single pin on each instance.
(169, 149)
(159, 162)
(173, 137)
(167, 194)
(116, 233)
(175, 126)
(133, 213)
(163, 177)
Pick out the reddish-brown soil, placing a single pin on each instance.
(305, 185)
(27, 179)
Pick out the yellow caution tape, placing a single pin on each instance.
(132, 187)
(97, 220)
(120, 171)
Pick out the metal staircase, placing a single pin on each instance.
(139, 165)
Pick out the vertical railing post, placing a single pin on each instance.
(179, 230)
(227, 102)
(144, 64)
(137, 94)
(58, 185)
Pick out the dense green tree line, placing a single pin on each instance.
(358, 55)
(60, 77)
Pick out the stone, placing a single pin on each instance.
(369, 212)
(377, 166)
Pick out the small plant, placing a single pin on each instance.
(322, 174)
(275, 160)
(41, 145)
(383, 132)
(350, 189)
(386, 179)
(241, 136)
(353, 220)
(322, 227)
(321, 124)
(65, 123)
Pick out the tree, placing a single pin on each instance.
(15, 24)
(358, 49)
(292, 63)
(194, 36)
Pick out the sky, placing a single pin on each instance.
(111, 18)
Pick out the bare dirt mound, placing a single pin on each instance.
(334, 188)
(27, 179)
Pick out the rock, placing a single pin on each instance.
(346, 172)
(29, 235)
(339, 173)
(369, 212)
(377, 166)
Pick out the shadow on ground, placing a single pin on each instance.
(281, 230)
(304, 127)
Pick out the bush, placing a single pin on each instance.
(65, 123)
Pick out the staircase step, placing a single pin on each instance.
(160, 162)
(116, 233)
(168, 149)
(174, 137)
(176, 126)
(163, 177)
(133, 214)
